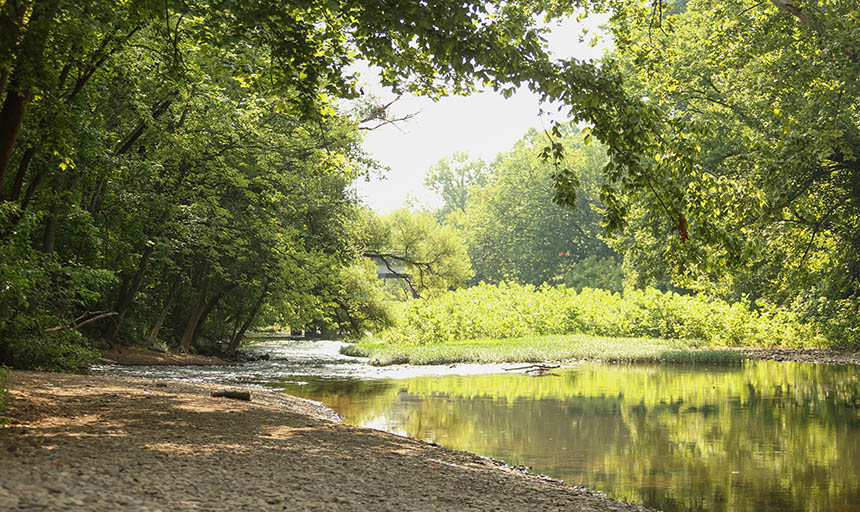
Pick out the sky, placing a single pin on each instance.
(482, 125)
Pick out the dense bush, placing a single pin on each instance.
(40, 292)
(511, 310)
(63, 351)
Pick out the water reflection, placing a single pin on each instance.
(766, 436)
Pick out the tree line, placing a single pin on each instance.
(181, 169)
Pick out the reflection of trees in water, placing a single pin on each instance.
(781, 435)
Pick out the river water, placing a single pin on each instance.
(764, 436)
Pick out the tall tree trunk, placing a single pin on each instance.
(23, 165)
(12, 14)
(168, 302)
(197, 312)
(49, 236)
(240, 334)
(9, 228)
(19, 90)
(125, 300)
(11, 119)
(210, 305)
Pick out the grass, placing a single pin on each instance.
(536, 349)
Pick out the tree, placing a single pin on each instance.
(433, 256)
(761, 165)
(182, 207)
(514, 230)
(452, 178)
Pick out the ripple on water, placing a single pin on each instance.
(290, 358)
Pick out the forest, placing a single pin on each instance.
(178, 173)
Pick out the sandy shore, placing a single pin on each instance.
(134, 356)
(97, 443)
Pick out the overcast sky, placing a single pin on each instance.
(482, 125)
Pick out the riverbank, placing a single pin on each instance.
(540, 349)
(94, 443)
(138, 356)
(581, 347)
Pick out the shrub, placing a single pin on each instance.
(62, 351)
(512, 310)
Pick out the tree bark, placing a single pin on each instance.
(23, 165)
(126, 298)
(19, 89)
(135, 134)
(208, 309)
(237, 336)
(49, 236)
(11, 119)
(197, 312)
(159, 321)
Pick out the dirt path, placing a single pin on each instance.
(106, 443)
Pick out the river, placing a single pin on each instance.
(764, 436)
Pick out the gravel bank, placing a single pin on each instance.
(115, 443)
(799, 355)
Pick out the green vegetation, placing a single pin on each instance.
(511, 310)
(523, 323)
(536, 349)
(426, 256)
(513, 229)
(750, 183)
(181, 173)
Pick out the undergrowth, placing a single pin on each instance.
(511, 311)
(542, 349)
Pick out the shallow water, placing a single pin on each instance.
(760, 437)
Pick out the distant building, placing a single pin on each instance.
(393, 269)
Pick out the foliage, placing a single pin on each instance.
(514, 231)
(429, 257)
(756, 160)
(511, 310)
(595, 272)
(62, 351)
(536, 349)
(363, 305)
(185, 165)
(156, 177)
(452, 178)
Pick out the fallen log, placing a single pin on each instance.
(534, 367)
(235, 395)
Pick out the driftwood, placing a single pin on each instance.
(235, 395)
(534, 368)
(87, 318)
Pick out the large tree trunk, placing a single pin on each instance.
(127, 295)
(19, 90)
(210, 305)
(238, 335)
(49, 236)
(197, 312)
(168, 302)
(11, 119)
(23, 165)
(12, 14)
